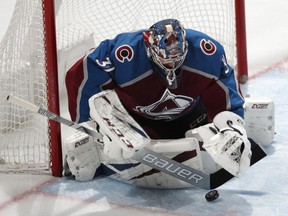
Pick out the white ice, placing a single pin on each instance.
(262, 190)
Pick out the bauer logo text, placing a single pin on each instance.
(172, 168)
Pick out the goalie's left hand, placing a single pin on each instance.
(230, 147)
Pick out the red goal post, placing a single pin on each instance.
(46, 37)
(241, 44)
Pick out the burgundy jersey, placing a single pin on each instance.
(122, 64)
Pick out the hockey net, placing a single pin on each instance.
(29, 142)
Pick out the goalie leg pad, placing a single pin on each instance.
(259, 120)
(82, 156)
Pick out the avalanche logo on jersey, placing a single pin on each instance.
(124, 52)
(167, 108)
(208, 47)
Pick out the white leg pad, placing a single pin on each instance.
(82, 155)
(259, 117)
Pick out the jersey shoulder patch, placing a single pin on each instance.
(126, 45)
(200, 40)
(207, 47)
(124, 53)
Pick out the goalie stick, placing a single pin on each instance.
(143, 155)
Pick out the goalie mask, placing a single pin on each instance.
(166, 45)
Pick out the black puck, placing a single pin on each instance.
(212, 195)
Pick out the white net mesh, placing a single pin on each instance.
(24, 138)
(105, 19)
